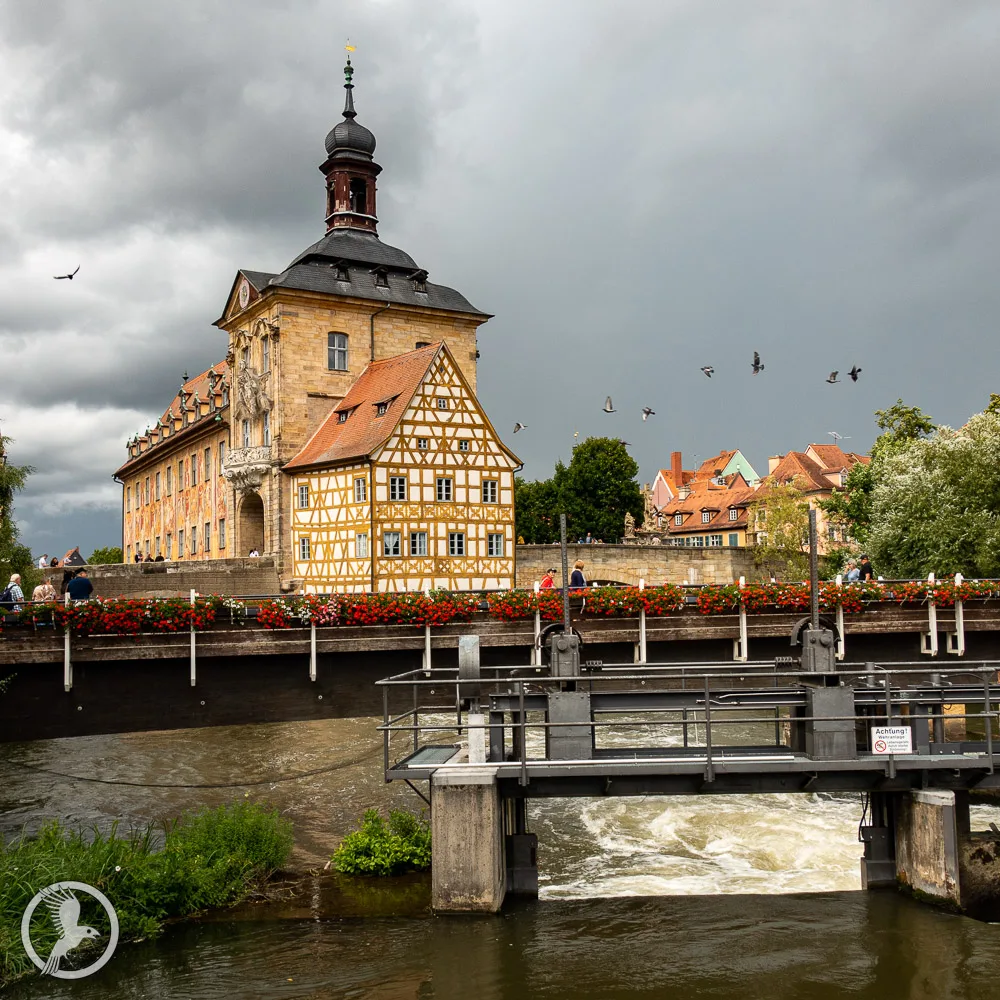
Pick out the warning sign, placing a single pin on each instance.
(892, 739)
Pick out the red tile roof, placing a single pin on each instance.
(712, 497)
(198, 386)
(393, 381)
(708, 468)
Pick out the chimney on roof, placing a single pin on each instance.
(677, 467)
(684, 492)
(773, 462)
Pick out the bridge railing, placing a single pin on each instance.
(699, 707)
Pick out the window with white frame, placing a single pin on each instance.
(360, 490)
(208, 464)
(397, 487)
(463, 445)
(246, 433)
(456, 543)
(304, 547)
(678, 518)
(361, 545)
(494, 544)
(265, 354)
(423, 444)
(715, 540)
(336, 352)
(706, 516)
(194, 539)
(222, 534)
(128, 498)
(267, 430)
(390, 543)
(180, 544)
(442, 403)
(194, 470)
(490, 491)
(222, 456)
(733, 514)
(206, 538)
(170, 480)
(157, 486)
(303, 494)
(444, 491)
(418, 543)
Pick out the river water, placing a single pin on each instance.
(723, 896)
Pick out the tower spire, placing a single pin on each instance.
(349, 111)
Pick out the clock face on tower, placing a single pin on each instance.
(244, 293)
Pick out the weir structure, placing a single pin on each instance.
(910, 739)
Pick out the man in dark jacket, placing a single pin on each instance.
(80, 588)
(865, 570)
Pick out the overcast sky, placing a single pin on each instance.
(635, 189)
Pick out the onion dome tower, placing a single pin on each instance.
(350, 170)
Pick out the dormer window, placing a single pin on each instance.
(419, 279)
(706, 516)
(342, 416)
(422, 343)
(678, 518)
(733, 514)
(380, 409)
(381, 277)
(340, 270)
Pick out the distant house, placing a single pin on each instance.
(709, 513)
(817, 471)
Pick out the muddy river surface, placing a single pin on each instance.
(724, 897)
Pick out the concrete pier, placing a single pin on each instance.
(468, 868)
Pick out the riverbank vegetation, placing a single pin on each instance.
(395, 846)
(211, 858)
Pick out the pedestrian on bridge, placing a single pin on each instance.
(577, 580)
(548, 581)
(853, 573)
(45, 591)
(80, 588)
(13, 597)
(865, 569)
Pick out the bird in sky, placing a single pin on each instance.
(708, 370)
(64, 908)
(62, 277)
(832, 377)
(854, 373)
(647, 413)
(519, 426)
(625, 444)
(608, 408)
(756, 365)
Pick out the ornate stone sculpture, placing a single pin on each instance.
(251, 398)
(649, 522)
(629, 525)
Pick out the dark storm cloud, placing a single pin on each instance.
(634, 189)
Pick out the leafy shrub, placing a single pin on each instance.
(210, 858)
(403, 844)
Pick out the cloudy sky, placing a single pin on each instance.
(635, 189)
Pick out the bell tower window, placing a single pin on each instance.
(359, 196)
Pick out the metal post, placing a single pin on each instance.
(642, 626)
(740, 645)
(67, 661)
(386, 734)
(565, 570)
(930, 645)
(523, 778)
(194, 668)
(709, 766)
(988, 719)
(536, 652)
(684, 717)
(841, 643)
(958, 648)
(312, 651)
(813, 571)
(427, 649)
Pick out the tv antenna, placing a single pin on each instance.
(837, 438)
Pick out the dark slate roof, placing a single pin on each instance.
(350, 135)
(257, 278)
(321, 277)
(356, 247)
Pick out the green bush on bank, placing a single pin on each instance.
(210, 858)
(401, 844)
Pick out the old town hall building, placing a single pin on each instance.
(341, 433)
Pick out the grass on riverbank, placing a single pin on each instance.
(210, 858)
(401, 844)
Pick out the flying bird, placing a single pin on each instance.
(854, 373)
(647, 413)
(708, 370)
(61, 277)
(64, 908)
(608, 408)
(625, 444)
(832, 377)
(519, 426)
(756, 365)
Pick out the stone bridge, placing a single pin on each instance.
(629, 564)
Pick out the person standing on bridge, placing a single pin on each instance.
(80, 588)
(865, 570)
(548, 581)
(577, 580)
(12, 598)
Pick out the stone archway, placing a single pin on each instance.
(251, 524)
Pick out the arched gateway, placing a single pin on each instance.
(251, 524)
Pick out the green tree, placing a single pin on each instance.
(108, 554)
(14, 557)
(936, 504)
(595, 491)
(778, 517)
(851, 505)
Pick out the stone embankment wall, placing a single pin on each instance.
(655, 564)
(177, 579)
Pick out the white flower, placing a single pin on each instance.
(118, 868)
